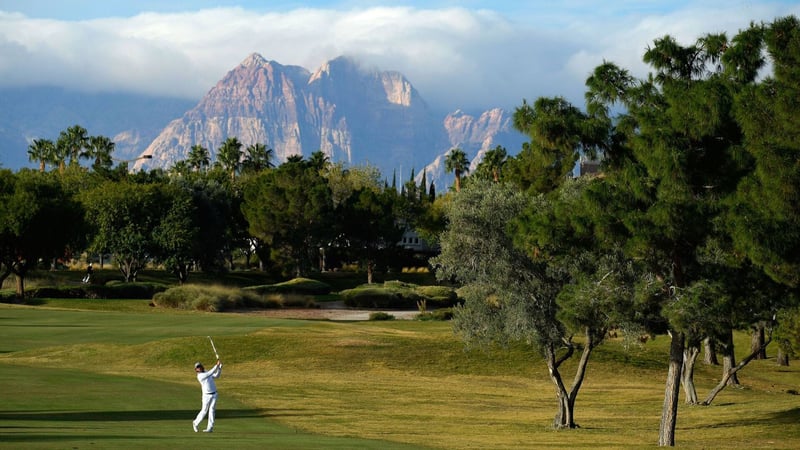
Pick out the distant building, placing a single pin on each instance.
(588, 166)
(412, 241)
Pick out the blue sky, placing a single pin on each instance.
(459, 54)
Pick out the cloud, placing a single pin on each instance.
(457, 58)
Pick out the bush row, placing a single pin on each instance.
(400, 295)
(112, 290)
(299, 286)
(221, 298)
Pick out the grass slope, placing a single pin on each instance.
(124, 379)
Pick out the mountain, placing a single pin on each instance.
(351, 113)
(132, 121)
(354, 114)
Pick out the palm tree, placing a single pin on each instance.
(43, 151)
(294, 159)
(494, 160)
(229, 156)
(457, 162)
(258, 157)
(72, 143)
(101, 148)
(319, 160)
(199, 158)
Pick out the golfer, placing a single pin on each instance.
(206, 380)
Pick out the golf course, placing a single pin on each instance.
(119, 374)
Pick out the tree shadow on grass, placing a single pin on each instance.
(789, 416)
(124, 416)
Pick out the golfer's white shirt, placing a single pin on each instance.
(206, 379)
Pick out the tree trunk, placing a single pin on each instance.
(580, 372)
(4, 273)
(669, 413)
(757, 341)
(729, 359)
(727, 375)
(690, 354)
(563, 418)
(710, 352)
(370, 271)
(20, 286)
(783, 358)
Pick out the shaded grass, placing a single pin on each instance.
(405, 381)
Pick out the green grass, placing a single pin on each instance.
(121, 376)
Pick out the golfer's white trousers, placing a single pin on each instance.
(210, 408)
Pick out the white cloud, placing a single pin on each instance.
(457, 58)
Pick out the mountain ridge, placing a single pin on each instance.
(352, 114)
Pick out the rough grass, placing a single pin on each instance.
(396, 381)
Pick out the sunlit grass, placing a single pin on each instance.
(409, 382)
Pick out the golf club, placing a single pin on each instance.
(214, 347)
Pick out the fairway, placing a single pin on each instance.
(106, 379)
(58, 407)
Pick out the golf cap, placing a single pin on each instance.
(197, 364)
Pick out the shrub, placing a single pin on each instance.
(300, 286)
(381, 316)
(374, 297)
(399, 295)
(92, 291)
(208, 298)
(443, 314)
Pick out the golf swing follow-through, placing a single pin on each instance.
(209, 389)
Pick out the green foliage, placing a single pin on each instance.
(787, 334)
(40, 221)
(93, 291)
(441, 314)
(210, 298)
(380, 316)
(290, 209)
(398, 295)
(303, 286)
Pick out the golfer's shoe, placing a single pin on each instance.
(194, 427)
(210, 430)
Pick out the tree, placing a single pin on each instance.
(343, 180)
(258, 157)
(100, 148)
(42, 151)
(369, 226)
(199, 158)
(319, 160)
(766, 215)
(41, 221)
(788, 335)
(176, 234)
(71, 144)
(672, 164)
(456, 162)
(514, 293)
(559, 132)
(229, 156)
(290, 209)
(493, 162)
(123, 216)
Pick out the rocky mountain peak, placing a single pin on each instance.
(254, 60)
(353, 114)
